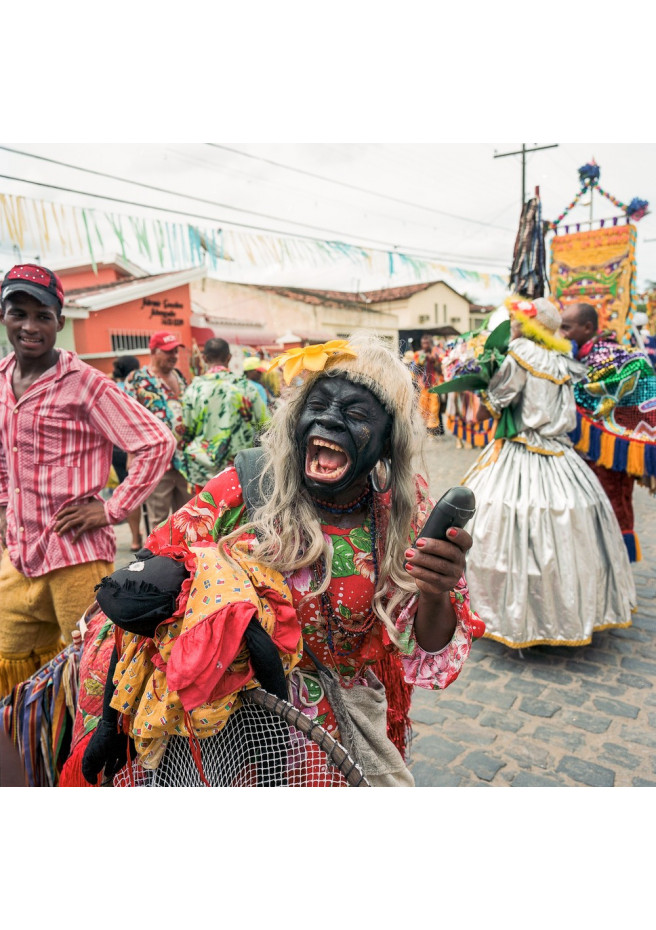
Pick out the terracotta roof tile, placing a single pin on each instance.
(77, 292)
(361, 299)
(339, 298)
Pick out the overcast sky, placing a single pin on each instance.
(453, 202)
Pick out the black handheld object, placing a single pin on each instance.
(455, 508)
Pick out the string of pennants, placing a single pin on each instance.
(589, 175)
(40, 227)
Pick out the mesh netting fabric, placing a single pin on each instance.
(257, 748)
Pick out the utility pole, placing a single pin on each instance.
(524, 150)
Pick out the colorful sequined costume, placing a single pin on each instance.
(616, 425)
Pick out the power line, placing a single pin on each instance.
(411, 250)
(355, 187)
(523, 152)
(274, 181)
(163, 190)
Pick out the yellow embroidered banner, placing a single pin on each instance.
(597, 267)
(651, 312)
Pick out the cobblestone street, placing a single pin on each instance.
(556, 716)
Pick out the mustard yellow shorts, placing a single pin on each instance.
(37, 615)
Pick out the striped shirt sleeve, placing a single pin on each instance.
(4, 479)
(134, 429)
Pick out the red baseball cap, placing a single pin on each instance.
(37, 281)
(163, 340)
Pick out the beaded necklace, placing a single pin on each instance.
(345, 508)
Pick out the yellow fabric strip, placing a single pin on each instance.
(635, 460)
(486, 403)
(498, 446)
(498, 443)
(558, 642)
(583, 445)
(607, 450)
(538, 374)
(537, 449)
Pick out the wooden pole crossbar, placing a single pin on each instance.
(523, 152)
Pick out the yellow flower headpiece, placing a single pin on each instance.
(311, 358)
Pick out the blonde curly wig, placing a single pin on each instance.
(288, 526)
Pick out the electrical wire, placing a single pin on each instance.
(355, 187)
(230, 169)
(164, 190)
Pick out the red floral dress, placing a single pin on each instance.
(219, 508)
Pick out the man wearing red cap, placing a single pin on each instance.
(59, 421)
(158, 387)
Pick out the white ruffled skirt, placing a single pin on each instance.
(548, 563)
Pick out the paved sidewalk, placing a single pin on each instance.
(558, 716)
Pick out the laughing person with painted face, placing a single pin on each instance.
(335, 518)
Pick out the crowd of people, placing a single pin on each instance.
(63, 424)
(319, 574)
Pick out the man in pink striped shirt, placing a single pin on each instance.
(59, 419)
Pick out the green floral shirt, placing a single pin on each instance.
(222, 413)
(156, 396)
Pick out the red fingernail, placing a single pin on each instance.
(408, 568)
(409, 553)
(452, 532)
(420, 543)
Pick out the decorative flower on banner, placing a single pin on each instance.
(589, 173)
(637, 208)
(311, 358)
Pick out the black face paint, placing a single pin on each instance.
(341, 434)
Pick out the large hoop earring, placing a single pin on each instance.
(375, 483)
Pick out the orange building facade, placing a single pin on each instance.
(115, 312)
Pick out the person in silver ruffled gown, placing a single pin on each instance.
(548, 564)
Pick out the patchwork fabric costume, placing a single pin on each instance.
(185, 680)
